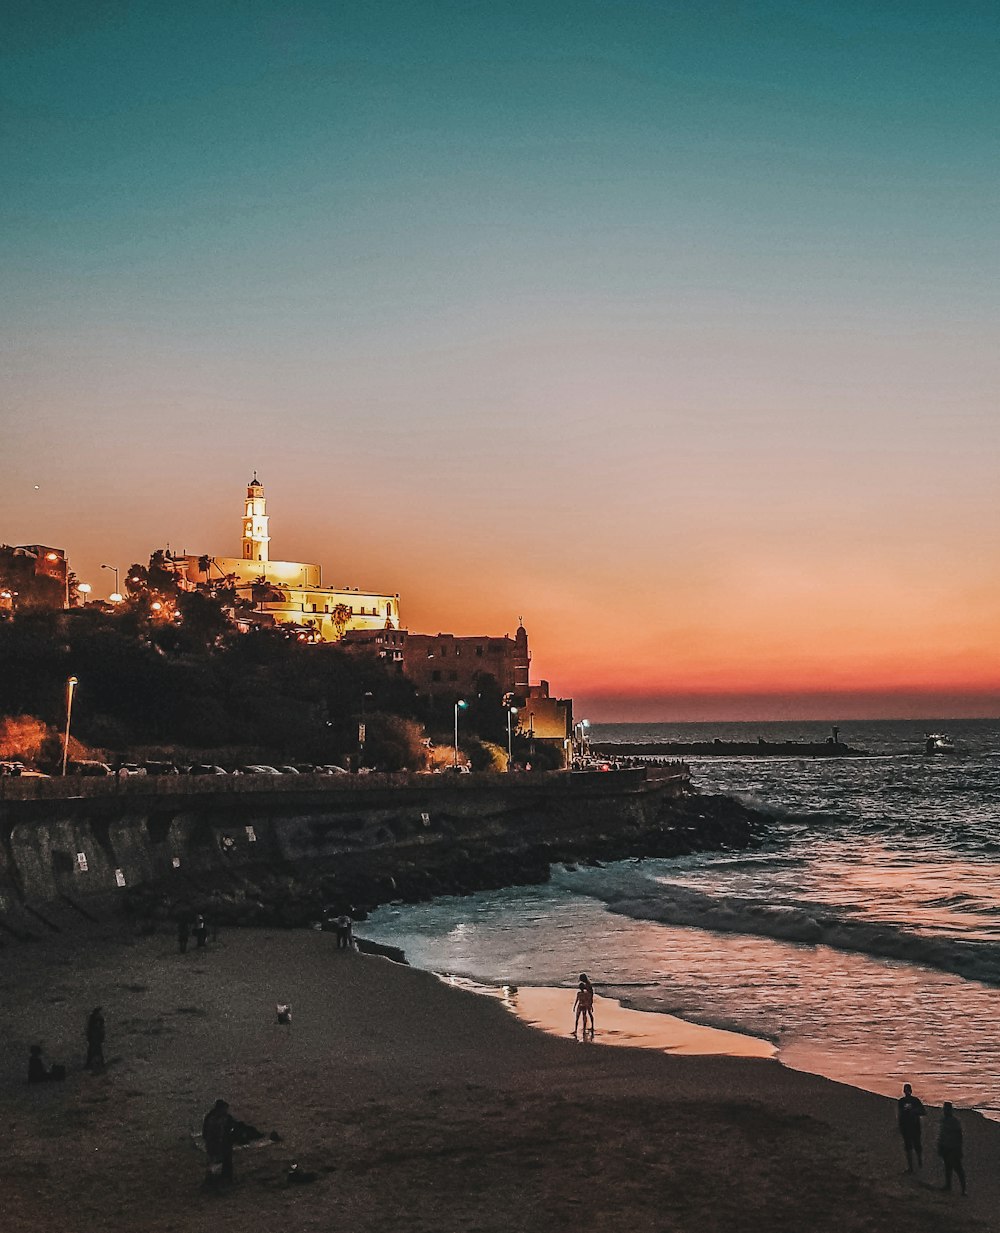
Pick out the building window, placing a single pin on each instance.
(479, 651)
(458, 650)
(444, 649)
(436, 674)
(452, 676)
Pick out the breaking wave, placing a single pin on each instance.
(668, 903)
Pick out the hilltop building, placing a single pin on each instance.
(285, 592)
(444, 667)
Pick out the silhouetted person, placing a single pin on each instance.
(200, 930)
(36, 1067)
(95, 1040)
(583, 1006)
(183, 933)
(589, 1007)
(950, 1146)
(909, 1112)
(345, 932)
(219, 1130)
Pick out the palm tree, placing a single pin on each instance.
(341, 617)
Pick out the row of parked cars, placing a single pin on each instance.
(128, 769)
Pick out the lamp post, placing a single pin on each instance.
(71, 684)
(460, 705)
(84, 589)
(117, 597)
(581, 733)
(511, 710)
(362, 728)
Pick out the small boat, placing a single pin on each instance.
(938, 743)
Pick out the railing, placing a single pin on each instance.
(111, 787)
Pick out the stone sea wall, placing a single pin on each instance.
(265, 853)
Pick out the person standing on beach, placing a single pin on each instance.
(583, 1006)
(200, 930)
(183, 933)
(95, 1040)
(589, 1008)
(345, 932)
(949, 1146)
(219, 1132)
(910, 1110)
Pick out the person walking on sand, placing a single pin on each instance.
(95, 1040)
(183, 933)
(219, 1132)
(949, 1146)
(910, 1110)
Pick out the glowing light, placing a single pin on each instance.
(84, 588)
(115, 597)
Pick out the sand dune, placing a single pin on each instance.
(419, 1106)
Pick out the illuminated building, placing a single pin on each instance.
(285, 592)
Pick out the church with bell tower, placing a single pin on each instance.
(286, 593)
(255, 536)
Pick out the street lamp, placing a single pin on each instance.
(511, 710)
(116, 598)
(460, 705)
(581, 732)
(362, 728)
(71, 684)
(84, 589)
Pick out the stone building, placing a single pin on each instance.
(285, 592)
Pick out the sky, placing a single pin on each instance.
(668, 327)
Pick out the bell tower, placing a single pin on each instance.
(255, 536)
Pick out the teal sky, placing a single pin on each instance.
(661, 311)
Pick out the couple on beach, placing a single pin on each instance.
(949, 1146)
(583, 1006)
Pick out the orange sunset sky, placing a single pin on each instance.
(672, 330)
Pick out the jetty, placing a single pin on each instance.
(760, 748)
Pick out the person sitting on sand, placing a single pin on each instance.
(219, 1132)
(949, 1146)
(37, 1072)
(910, 1110)
(583, 1007)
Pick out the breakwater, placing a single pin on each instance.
(279, 852)
(760, 748)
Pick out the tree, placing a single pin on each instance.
(341, 616)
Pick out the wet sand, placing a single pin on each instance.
(419, 1107)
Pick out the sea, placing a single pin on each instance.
(861, 937)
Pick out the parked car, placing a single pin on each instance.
(88, 766)
(330, 769)
(205, 768)
(128, 769)
(11, 768)
(256, 768)
(160, 768)
(289, 770)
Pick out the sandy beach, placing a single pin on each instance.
(419, 1106)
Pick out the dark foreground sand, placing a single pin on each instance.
(421, 1107)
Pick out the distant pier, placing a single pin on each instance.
(728, 749)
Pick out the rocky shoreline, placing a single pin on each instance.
(295, 894)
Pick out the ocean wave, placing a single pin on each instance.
(668, 903)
